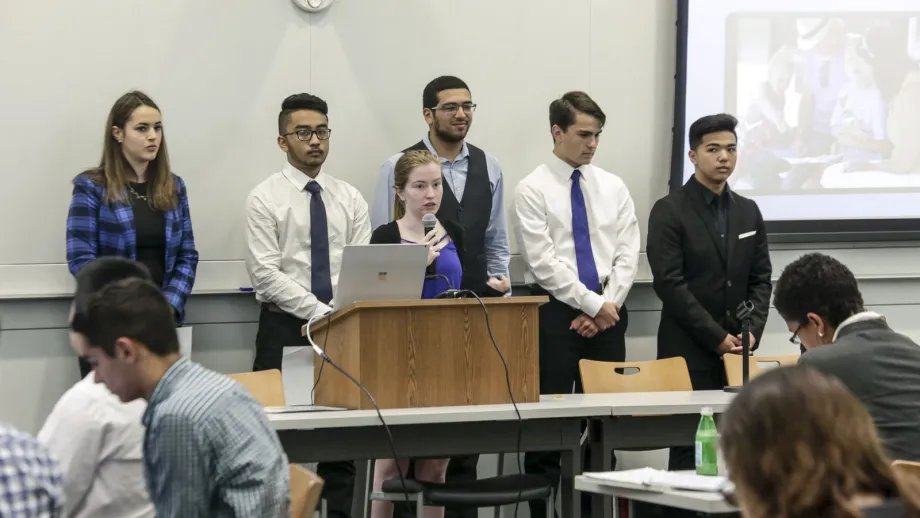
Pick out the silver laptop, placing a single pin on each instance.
(380, 272)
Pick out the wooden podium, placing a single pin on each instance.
(423, 353)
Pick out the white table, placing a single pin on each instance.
(552, 425)
(701, 502)
(638, 420)
(644, 421)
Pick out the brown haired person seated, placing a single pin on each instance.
(798, 444)
(819, 299)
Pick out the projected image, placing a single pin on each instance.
(825, 101)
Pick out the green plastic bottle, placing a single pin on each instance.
(707, 445)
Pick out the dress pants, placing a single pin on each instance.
(278, 330)
(560, 351)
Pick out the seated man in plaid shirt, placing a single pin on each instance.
(30, 478)
(208, 448)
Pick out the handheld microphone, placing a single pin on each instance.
(429, 221)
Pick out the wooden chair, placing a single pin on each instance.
(265, 386)
(306, 488)
(668, 375)
(734, 364)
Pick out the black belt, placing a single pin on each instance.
(273, 308)
(536, 289)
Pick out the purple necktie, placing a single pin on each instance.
(584, 257)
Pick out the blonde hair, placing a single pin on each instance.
(798, 444)
(405, 165)
(114, 170)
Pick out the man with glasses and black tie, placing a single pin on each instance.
(579, 237)
(298, 222)
(473, 198)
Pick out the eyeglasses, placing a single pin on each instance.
(453, 107)
(794, 339)
(307, 134)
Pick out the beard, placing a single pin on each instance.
(449, 136)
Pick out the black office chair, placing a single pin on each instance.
(487, 492)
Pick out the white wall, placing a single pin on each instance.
(219, 70)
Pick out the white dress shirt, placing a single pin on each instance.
(278, 237)
(543, 223)
(98, 440)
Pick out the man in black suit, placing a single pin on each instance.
(707, 247)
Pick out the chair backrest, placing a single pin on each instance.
(668, 375)
(306, 488)
(265, 386)
(734, 364)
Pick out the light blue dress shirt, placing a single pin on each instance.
(498, 252)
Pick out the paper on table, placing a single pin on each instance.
(294, 409)
(650, 479)
(297, 375)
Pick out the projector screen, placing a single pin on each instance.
(827, 94)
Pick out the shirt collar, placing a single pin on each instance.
(164, 386)
(300, 180)
(563, 169)
(464, 150)
(858, 317)
(708, 195)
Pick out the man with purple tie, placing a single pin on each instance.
(578, 234)
(298, 222)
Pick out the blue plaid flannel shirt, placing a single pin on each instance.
(96, 229)
(31, 481)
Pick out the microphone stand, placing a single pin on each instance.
(745, 313)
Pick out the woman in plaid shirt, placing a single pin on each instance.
(132, 206)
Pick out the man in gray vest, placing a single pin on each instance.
(473, 198)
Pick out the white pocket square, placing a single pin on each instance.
(747, 234)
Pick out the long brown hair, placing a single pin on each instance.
(798, 444)
(406, 163)
(114, 171)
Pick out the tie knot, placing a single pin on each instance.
(576, 174)
(313, 187)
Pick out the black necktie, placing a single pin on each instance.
(320, 278)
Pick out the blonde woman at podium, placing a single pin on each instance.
(417, 183)
(417, 179)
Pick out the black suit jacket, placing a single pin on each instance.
(701, 278)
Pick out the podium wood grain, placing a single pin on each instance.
(425, 353)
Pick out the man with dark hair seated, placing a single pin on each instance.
(96, 437)
(819, 299)
(208, 449)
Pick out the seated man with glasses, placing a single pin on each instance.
(819, 299)
(298, 223)
(473, 197)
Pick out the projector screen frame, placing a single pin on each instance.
(778, 231)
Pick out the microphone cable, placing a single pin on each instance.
(392, 444)
(321, 365)
(520, 431)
